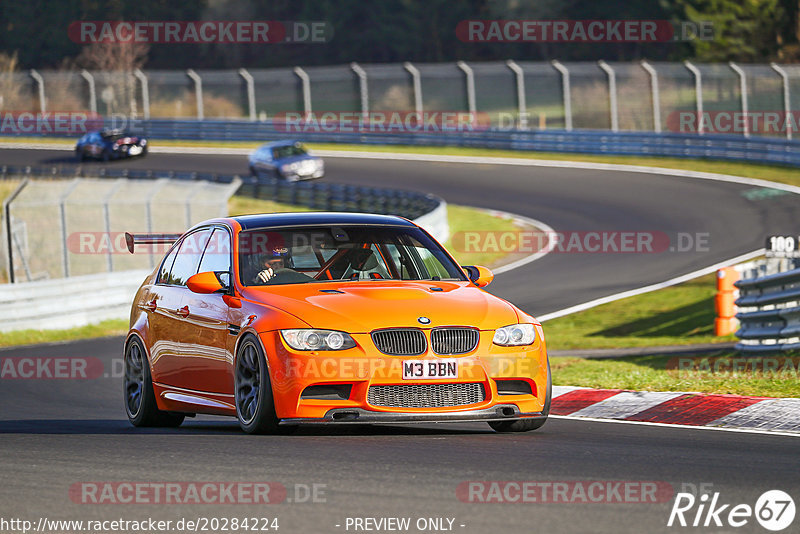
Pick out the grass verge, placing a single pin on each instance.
(677, 315)
(112, 327)
(672, 373)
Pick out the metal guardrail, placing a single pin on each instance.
(766, 150)
(769, 313)
(55, 304)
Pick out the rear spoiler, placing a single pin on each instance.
(149, 239)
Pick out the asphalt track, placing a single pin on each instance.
(56, 433)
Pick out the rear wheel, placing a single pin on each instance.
(525, 425)
(255, 406)
(140, 400)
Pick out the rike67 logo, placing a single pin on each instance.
(774, 510)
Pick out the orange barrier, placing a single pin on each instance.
(726, 322)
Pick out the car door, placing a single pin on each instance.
(91, 145)
(172, 335)
(209, 366)
(264, 161)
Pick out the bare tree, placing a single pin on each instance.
(118, 60)
(11, 86)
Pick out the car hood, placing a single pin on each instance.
(363, 306)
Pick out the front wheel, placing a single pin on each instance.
(255, 407)
(140, 400)
(525, 425)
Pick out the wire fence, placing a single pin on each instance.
(67, 221)
(58, 228)
(650, 97)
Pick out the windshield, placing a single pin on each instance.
(350, 253)
(113, 136)
(280, 152)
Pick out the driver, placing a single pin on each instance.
(277, 269)
(274, 262)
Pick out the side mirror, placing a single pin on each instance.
(479, 275)
(208, 282)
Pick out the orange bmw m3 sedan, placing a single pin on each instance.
(327, 318)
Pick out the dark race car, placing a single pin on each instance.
(288, 160)
(110, 144)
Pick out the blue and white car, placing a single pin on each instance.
(287, 160)
(110, 144)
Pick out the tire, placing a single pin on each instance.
(140, 400)
(255, 406)
(106, 155)
(80, 155)
(526, 425)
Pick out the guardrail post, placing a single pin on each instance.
(145, 93)
(521, 105)
(92, 91)
(567, 94)
(107, 221)
(148, 212)
(417, 84)
(63, 215)
(787, 106)
(743, 90)
(306, 82)
(188, 205)
(198, 91)
(612, 94)
(654, 95)
(470, 85)
(40, 84)
(363, 89)
(251, 93)
(698, 91)
(9, 230)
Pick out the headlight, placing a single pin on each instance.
(312, 339)
(515, 334)
(289, 167)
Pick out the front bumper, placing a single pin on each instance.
(500, 412)
(360, 368)
(295, 177)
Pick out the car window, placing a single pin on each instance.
(188, 257)
(280, 152)
(217, 255)
(355, 253)
(166, 267)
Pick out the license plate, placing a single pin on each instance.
(430, 369)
